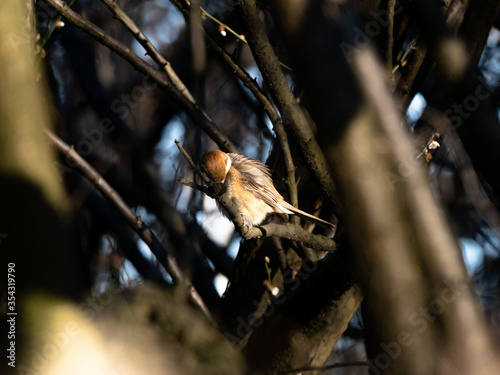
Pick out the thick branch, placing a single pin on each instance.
(199, 117)
(135, 222)
(432, 240)
(457, 80)
(293, 232)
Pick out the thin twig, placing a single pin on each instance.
(143, 231)
(226, 27)
(402, 60)
(281, 253)
(192, 185)
(199, 117)
(186, 155)
(184, 9)
(191, 162)
(292, 232)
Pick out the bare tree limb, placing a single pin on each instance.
(309, 320)
(147, 235)
(195, 112)
(433, 241)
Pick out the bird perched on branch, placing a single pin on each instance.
(250, 188)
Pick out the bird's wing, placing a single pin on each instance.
(256, 178)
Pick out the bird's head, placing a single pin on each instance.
(216, 164)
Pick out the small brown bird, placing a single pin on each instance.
(250, 187)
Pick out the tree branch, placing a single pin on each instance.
(194, 111)
(307, 320)
(135, 222)
(398, 235)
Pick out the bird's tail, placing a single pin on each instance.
(294, 210)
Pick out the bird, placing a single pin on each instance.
(250, 187)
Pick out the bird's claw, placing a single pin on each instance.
(250, 232)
